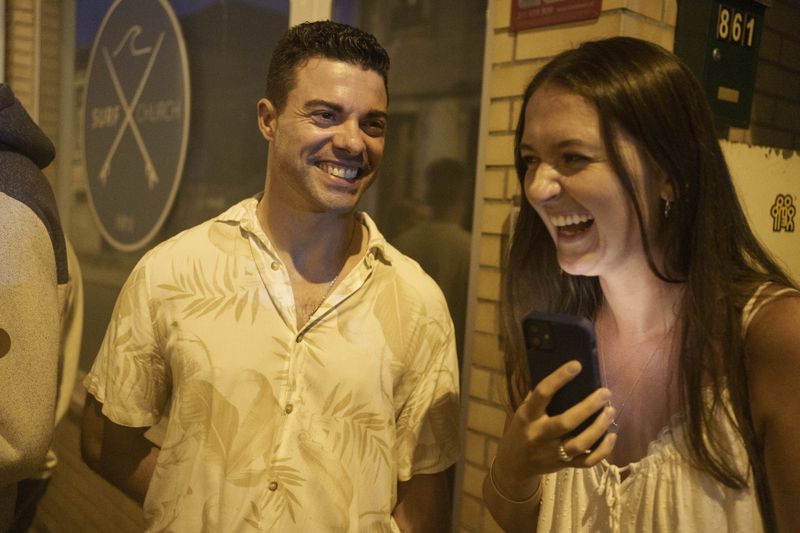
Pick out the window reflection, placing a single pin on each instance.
(228, 44)
(436, 49)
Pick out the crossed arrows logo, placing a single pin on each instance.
(129, 121)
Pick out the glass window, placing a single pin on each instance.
(422, 200)
(228, 44)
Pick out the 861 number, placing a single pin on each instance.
(735, 26)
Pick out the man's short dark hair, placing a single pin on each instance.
(325, 39)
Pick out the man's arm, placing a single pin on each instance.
(423, 504)
(122, 455)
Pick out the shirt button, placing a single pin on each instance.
(273, 486)
(275, 265)
(288, 409)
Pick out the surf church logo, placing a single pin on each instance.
(783, 211)
(136, 120)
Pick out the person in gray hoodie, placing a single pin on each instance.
(34, 284)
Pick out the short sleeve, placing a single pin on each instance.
(129, 376)
(427, 425)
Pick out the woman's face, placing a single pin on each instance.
(574, 189)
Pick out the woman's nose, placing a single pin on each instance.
(542, 184)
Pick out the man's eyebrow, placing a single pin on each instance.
(375, 113)
(324, 103)
(318, 102)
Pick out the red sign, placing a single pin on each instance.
(537, 13)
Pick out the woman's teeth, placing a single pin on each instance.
(561, 221)
(339, 171)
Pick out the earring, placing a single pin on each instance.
(667, 207)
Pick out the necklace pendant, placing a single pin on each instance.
(613, 427)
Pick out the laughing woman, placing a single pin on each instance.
(632, 221)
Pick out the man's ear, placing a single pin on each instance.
(267, 119)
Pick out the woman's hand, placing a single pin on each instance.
(531, 441)
(530, 448)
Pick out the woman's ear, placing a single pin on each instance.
(267, 119)
(665, 189)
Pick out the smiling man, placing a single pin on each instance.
(282, 367)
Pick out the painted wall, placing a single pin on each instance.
(768, 183)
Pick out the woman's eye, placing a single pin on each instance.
(576, 159)
(530, 162)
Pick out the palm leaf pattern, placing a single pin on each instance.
(140, 368)
(332, 484)
(362, 431)
(197, 325)
(275, 503)
(203, 293)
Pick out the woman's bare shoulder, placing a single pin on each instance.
(772, 348)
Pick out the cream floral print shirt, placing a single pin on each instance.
(269, 428)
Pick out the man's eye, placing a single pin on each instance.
(324, 116)
(374, 128)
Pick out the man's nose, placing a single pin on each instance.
(542, 184)
(349, 137)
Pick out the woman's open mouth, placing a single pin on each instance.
(571, 225)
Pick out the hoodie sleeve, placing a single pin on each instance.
(29, 320)
(20, 133)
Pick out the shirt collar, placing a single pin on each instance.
(244, 214)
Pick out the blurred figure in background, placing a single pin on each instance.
(441, 244)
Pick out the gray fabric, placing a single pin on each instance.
(24, 150)
(19, 133)
(33, 277)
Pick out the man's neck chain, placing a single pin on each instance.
(336, 277)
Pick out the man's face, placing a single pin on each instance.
(327, 142)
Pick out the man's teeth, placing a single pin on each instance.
(340, 172)
(568, 220)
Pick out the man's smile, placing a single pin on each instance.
(340, 171)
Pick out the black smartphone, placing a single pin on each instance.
(551, 340)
